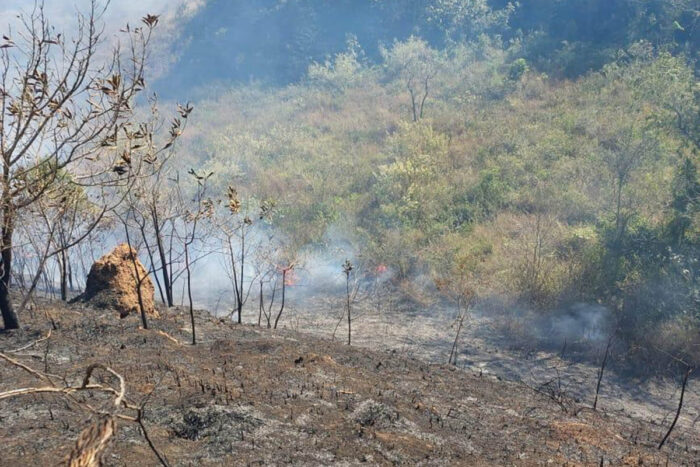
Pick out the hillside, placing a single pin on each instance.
(249, 396)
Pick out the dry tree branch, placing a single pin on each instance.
(31, 344)
(94, 439)
(42, 376)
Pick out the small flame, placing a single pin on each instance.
(289, 274)
(291, 278)
(381, 269)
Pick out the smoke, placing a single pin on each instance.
(579, 323)
(318, 270)
(321, 265)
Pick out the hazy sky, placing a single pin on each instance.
(62, 12)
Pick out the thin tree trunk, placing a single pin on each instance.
(452, 360)
(189, 292)
(284, 284)
(70, 274)
(37, 276)
(413, 104)
(600, 373)
(137, 276)
(260, 309)
(347, 291)
(64, 275)
(9, 317)
(688, 371)
(425, 96)
(240, 282)
(142, 229)
(163, 261)
(268, 314)
(237, 291)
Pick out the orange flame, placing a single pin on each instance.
(381, 269)
(291, 278)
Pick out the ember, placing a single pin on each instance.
(380, 269)
(291, 278)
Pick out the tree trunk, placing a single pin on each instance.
(9, 317)
(163, 261)
(413, 104)
(425, 96)
(688, 371)
(600, 373)
(260, 309)
(142, 229)
(284, 284)
(189, 292)
(137, 276)
(347, 290)
(452, 360)
(240, 293)
(71, 287)
(64, 275)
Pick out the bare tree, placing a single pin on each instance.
(285, 271)
(602, 370)
(686, 374)
(62, 111)
(414, 62)
(243, 237)
(624, 152)
(133, 256)
(155, 206)
(203, 209)
(347, 269)
(459, 279)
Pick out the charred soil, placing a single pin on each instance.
(250, 396)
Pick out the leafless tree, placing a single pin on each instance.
(203, 209)
(62, 111)
(679, 360)
(285, 271)
(459, 281)
(602, 369)
(243, 240)
(414, 62)
(347, 269)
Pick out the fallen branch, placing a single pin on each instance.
(93, 440)
(43, 376)
(168, 336)
(31, 344)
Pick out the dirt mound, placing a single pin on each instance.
(112, 283)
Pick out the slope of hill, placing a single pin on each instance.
(249, 396)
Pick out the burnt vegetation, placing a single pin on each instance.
(513, 202)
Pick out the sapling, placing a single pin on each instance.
(347, 269)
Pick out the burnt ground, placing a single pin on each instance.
(485, 347)
(250, 396)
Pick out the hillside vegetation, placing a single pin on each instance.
(504, 183)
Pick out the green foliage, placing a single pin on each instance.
(344, 71)
(513, 184)
(685, 204)
(517, 69)
(463, 20)
(408, 189)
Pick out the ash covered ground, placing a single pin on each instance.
(250, 396)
